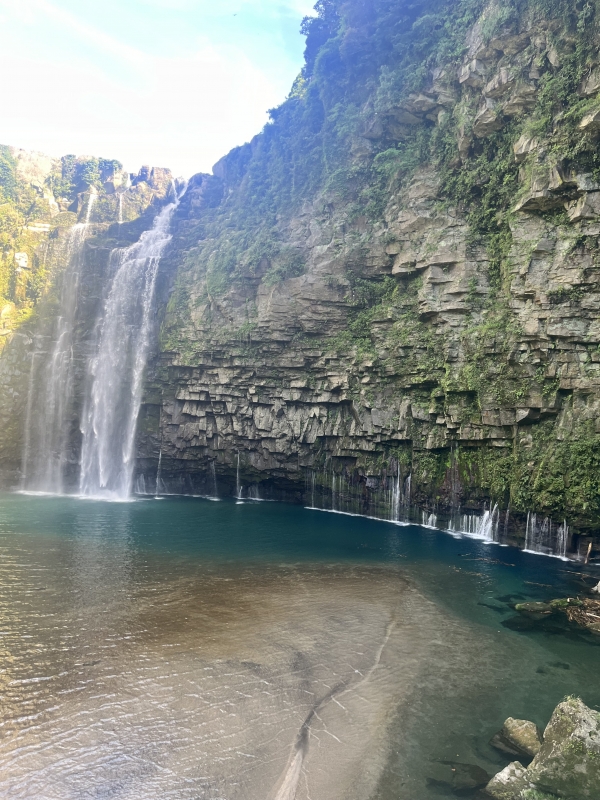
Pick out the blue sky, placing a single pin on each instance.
(174, 83)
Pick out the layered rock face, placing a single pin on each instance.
(428, 304)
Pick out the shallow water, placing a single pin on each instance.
(192, 649)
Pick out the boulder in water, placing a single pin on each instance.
(518, 737)
(508, 784)
(468, 776)
(535, 610)
(568, 763)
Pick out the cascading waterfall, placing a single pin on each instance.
(542, 537)
(51, 379)
(116, 372)
(428, 520)
(562, 540)
(239, 489)
(484, 527)
(396, 499)
(399, 499)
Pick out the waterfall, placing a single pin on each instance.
(544, 538)
(562, 540)
(158, 472)
(312, 488)
(396, 499)
(239, 489)
(254, 493)
(428, 520)
(214, 479)
(485, 527)
(51, 381)
(120, 217)
(109, 419)
(27, 432)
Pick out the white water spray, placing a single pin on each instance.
(484, 527)
(428, 520)
(545, 538)
(213, 471)
(158, 474)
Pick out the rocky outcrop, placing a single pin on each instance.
(567, 765)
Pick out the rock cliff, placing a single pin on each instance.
(399, 276)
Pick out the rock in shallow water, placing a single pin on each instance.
(508, 784)
(468, 776)
(535, 609)
(567, 764)
(518, 737)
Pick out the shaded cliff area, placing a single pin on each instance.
(399, 275)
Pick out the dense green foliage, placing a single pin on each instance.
(20, 206)
(79, 174)
(30, 212)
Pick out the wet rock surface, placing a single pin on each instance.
(580, 612)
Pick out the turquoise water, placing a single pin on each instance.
(396, 647)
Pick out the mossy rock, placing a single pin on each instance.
(535, 609)
(566, 602)
(568, 763)
(509, 783)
